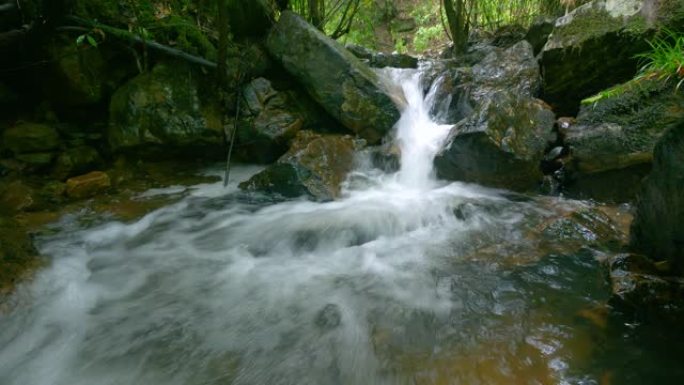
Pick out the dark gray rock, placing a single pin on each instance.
(350, 91)
(612, 140)
(593, 47)
(501, 145)
(462, 90)
(539, 32)
(658, 227)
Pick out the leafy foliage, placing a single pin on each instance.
(666, 58)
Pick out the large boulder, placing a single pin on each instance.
(593, 47)
(349, 90)
(164, 108)
(315, 166)
(82, 75)
(460, 91)
(501, 145)
(658, 227)
(611, 144)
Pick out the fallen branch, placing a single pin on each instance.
(135, 38)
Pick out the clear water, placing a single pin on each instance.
(406, 280)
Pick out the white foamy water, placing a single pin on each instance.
(225, 287)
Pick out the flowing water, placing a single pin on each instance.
(405, 280)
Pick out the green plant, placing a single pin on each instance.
(425, 36)
(666, 58)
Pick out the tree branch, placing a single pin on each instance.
(135, 38)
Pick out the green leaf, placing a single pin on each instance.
(91, 41)
(80, 39)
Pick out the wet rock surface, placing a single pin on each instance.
(346, 88)
(611, 143)
(315, 165)
(164, 108)
(501, 145)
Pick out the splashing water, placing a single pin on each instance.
(408, 281)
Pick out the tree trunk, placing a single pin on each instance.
(457, 19)
(317, 13)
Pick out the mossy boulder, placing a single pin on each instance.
(75, 161)
(346, 88)
(82, 75)
(501, 145)
(658, 227)
(592, 48)
(165, 109)
(315, 166)
(611, 144)
(30, 137)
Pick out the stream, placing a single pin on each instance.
(404, 280)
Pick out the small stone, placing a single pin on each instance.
(329, 317)
(88, 185)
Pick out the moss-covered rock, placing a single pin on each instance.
(349, 90)
(76, 161)
(613, 139)
(18, 257)
(29, 137)
(658, 228)
(164, 108)
(501, 145)
(315, 166)
(592, 48)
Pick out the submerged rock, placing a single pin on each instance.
(350, 91)
(316, 165)
(612, 140)
(658, 228)
(593, 47)
(88, 185)
(501, 145)
(641, 286)
(164, 108)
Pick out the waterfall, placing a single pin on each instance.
(418, 136)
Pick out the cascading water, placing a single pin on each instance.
(408, 281)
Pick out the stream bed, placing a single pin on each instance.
(404, 280)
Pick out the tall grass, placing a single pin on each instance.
(665, 60)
